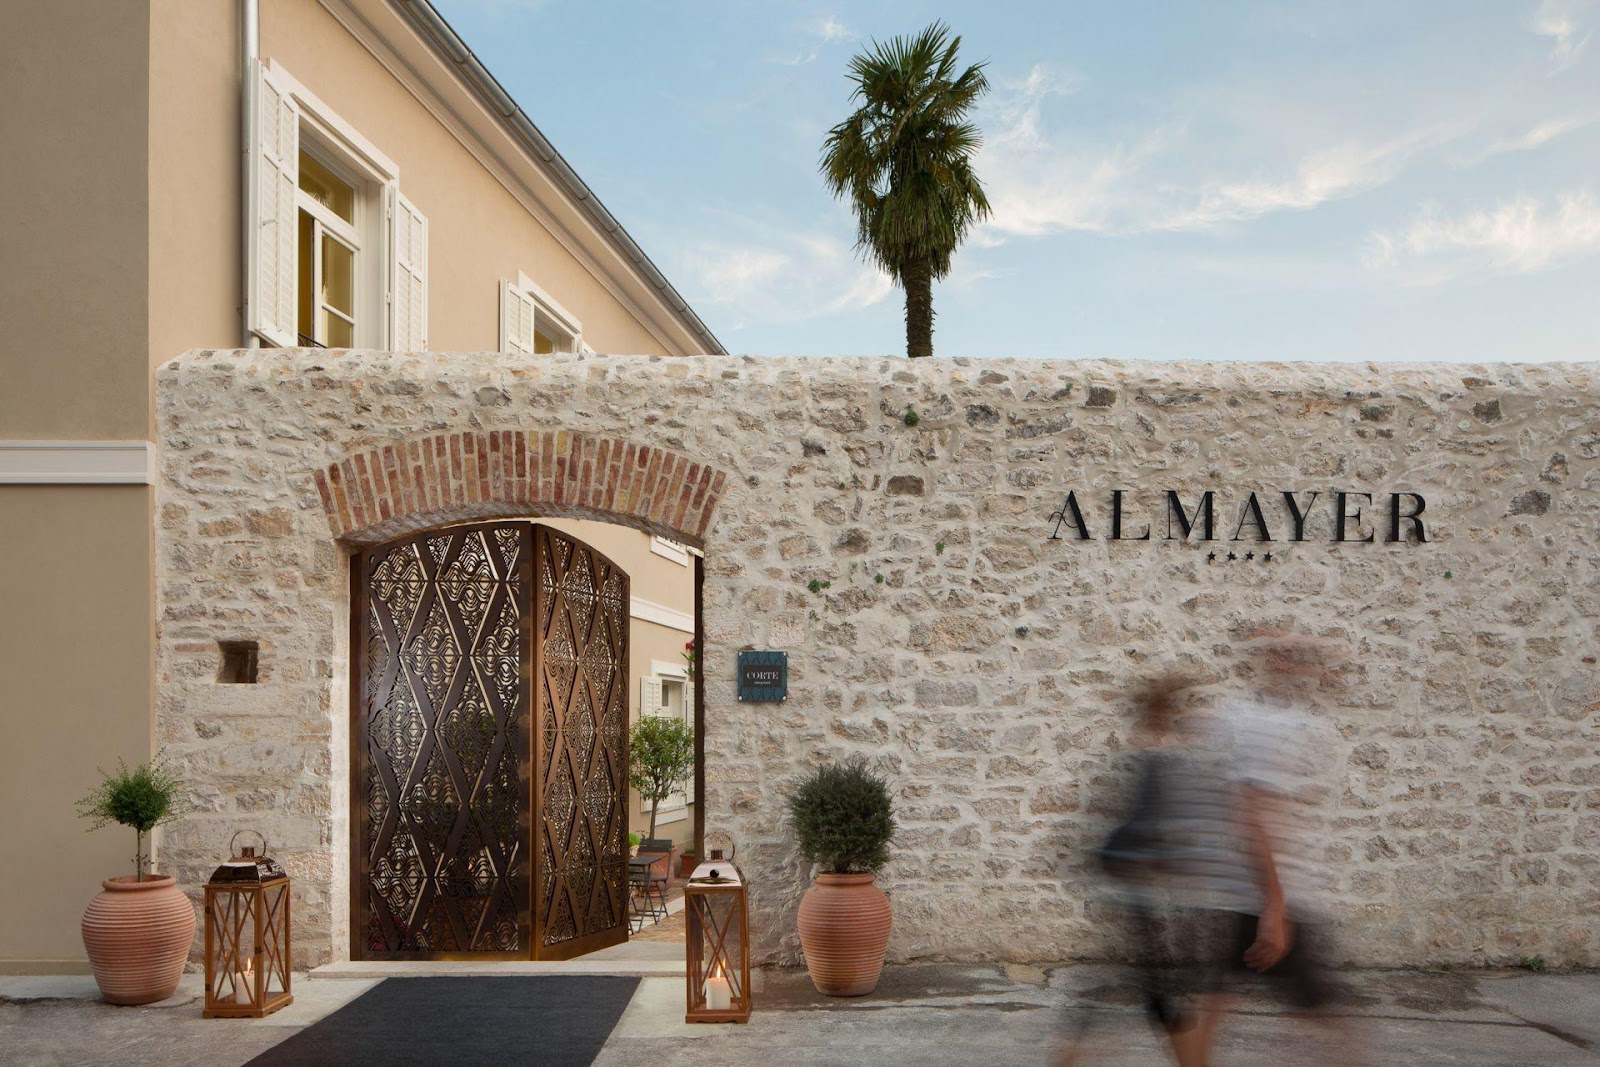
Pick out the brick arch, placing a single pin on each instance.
(383, 492)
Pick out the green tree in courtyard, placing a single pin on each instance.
(904, 161)
(660, 757)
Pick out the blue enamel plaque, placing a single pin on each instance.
(763, 676)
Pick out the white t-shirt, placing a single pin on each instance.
(1278, 752)
(1284, 754)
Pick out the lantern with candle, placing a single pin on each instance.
(247, 935)
(717, 943)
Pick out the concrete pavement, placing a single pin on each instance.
(922, 1015)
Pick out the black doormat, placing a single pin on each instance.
(548, 1022)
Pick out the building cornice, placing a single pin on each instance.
(75, 463)
(661, 615)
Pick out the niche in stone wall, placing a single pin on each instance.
(239, 662)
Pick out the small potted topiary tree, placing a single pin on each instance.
(660, 757)
(138, 930)
(844, 820)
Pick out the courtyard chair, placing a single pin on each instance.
(662, 868)
(646, 897)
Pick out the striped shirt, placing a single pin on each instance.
(1279, 754)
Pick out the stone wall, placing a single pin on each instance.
(984, 665)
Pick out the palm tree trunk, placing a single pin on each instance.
(918, 281)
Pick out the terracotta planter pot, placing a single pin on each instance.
(138, 936)
(844, 930)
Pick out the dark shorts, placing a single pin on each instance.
(1221, 939)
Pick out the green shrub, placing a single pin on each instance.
(141, 799)
(660, 759)
(844, 818)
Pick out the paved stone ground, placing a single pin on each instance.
(923, 1015)
(668, 930)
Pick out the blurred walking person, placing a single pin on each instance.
(1145, 862)
(1267, 909)
(1218, 864)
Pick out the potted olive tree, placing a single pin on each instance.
(844, 820)
(138, 930)
(660, 758)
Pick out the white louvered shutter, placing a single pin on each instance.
(516, 335)
(274, 260)
(650, 696)
(672, 802)
(408, 276)
(650, 704)
(688, 718)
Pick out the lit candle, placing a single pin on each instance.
(719, 995)
(241, 985)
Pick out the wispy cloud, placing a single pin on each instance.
(730, 272)
(831, 29)
(1517, 236)
(1562, 22)
(868, 286)
(1040, 183)
(1021, 100)
(1034, 186)
(777, 276)
(815, 36)
(1539, 135)
(1328, 174)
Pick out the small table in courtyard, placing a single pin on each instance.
(647, 893)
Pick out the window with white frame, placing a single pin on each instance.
(340, 256)
(329, 252)
(533, 323)
(668, 691)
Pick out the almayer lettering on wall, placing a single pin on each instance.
(1264, 516)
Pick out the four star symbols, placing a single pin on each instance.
(1232, 557)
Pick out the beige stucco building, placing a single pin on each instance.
(194, 175)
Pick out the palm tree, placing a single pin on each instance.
(904, 161)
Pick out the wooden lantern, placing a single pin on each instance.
(717, 915)
(247, 937)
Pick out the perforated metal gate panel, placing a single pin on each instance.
(475, 834)
(581, 678)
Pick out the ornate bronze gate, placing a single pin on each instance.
(581, 748)
(474, 834)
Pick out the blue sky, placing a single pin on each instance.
(1341, 181)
